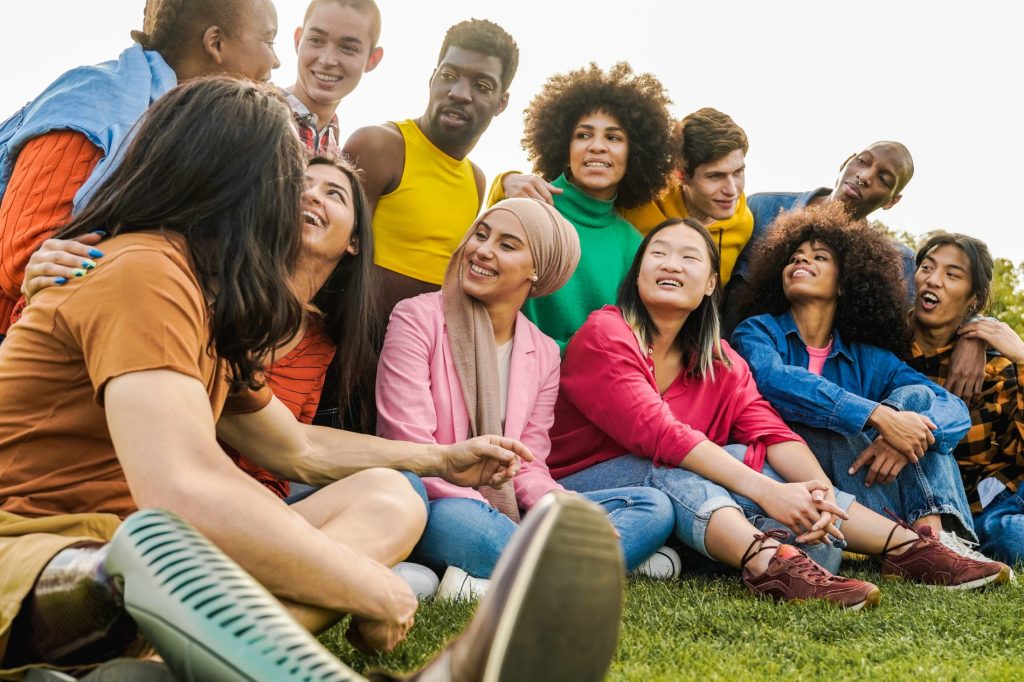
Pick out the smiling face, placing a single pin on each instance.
(676, 272)
(497, 261)
(870, 180)
(811, 274)
(335, 48)
(943, 282)
(465, 94)
(713, 189)
(598, 154)
(248, 51)
(328, 214)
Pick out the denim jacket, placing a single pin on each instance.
(766, 207)
(855, 379)
(103, 102)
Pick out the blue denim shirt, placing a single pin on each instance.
(855, 379)
(766, 207)
(102, 102)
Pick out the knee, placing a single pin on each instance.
(395, 494)
(911, 398)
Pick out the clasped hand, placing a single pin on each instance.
(807, 508)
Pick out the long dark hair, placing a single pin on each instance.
(216, 160)
(348, 301)
(699, 339)
(872, 303)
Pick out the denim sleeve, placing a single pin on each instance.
(947, 412)
(797, 394)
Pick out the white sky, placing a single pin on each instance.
(810, 81)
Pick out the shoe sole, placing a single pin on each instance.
(208, 618)
(561, 619)
(871, 600)
(1004, 575)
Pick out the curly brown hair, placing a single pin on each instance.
(639, 102)
(872, 293)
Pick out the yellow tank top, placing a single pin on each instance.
(418, 225)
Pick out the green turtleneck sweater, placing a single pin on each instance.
(607, 242)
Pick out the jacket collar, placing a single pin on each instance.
(789, 329)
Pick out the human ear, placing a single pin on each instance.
(502, 103)
(298, 38)
(353, 246)
(376, 54)
(892, 202)
(709, 288)
(213, 43)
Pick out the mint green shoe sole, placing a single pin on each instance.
(209, 619)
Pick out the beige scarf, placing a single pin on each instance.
(555, 247)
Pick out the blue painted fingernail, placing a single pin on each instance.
(100, 233)
(95, 253)
(61, 280)
(78, 273)
(88, 264)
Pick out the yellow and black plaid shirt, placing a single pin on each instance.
(994, 446)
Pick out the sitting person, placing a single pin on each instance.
(707, 183)
(600, 138)
(651, 396)
(954, 284)
(825, 351)
(207, 262)
(58, 149)
(465, 360)
(334, 274)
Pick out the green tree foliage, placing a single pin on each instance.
(1008, 293)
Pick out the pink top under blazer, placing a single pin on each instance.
(419, 397)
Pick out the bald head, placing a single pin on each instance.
(874, 178)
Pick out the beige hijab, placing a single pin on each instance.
(556, 252)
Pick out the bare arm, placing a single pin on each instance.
(168, 450)
(379, 151)
(797, 505)
(319, 455)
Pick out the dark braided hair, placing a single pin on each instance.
(168, 26)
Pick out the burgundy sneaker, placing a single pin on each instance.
(792, 576)
(930, 562)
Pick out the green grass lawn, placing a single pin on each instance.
(711, 628)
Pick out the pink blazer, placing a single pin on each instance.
(419, 397)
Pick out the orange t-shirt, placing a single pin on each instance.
(48, 173)
(297, 380)
(140, 309)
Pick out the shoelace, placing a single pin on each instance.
(961, 546)
(805, 567)
(759, 540)
(900, 523)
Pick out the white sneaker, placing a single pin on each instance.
(965, 547)
(457, 585)
(421, 579)
(662, 565)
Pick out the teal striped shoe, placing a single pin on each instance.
(209, 619)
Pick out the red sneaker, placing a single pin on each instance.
(792, 576)
(929, 561)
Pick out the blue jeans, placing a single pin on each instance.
(1000, 527)
(300, 491)
(695, 498)
(932, 486)
(471, 534)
